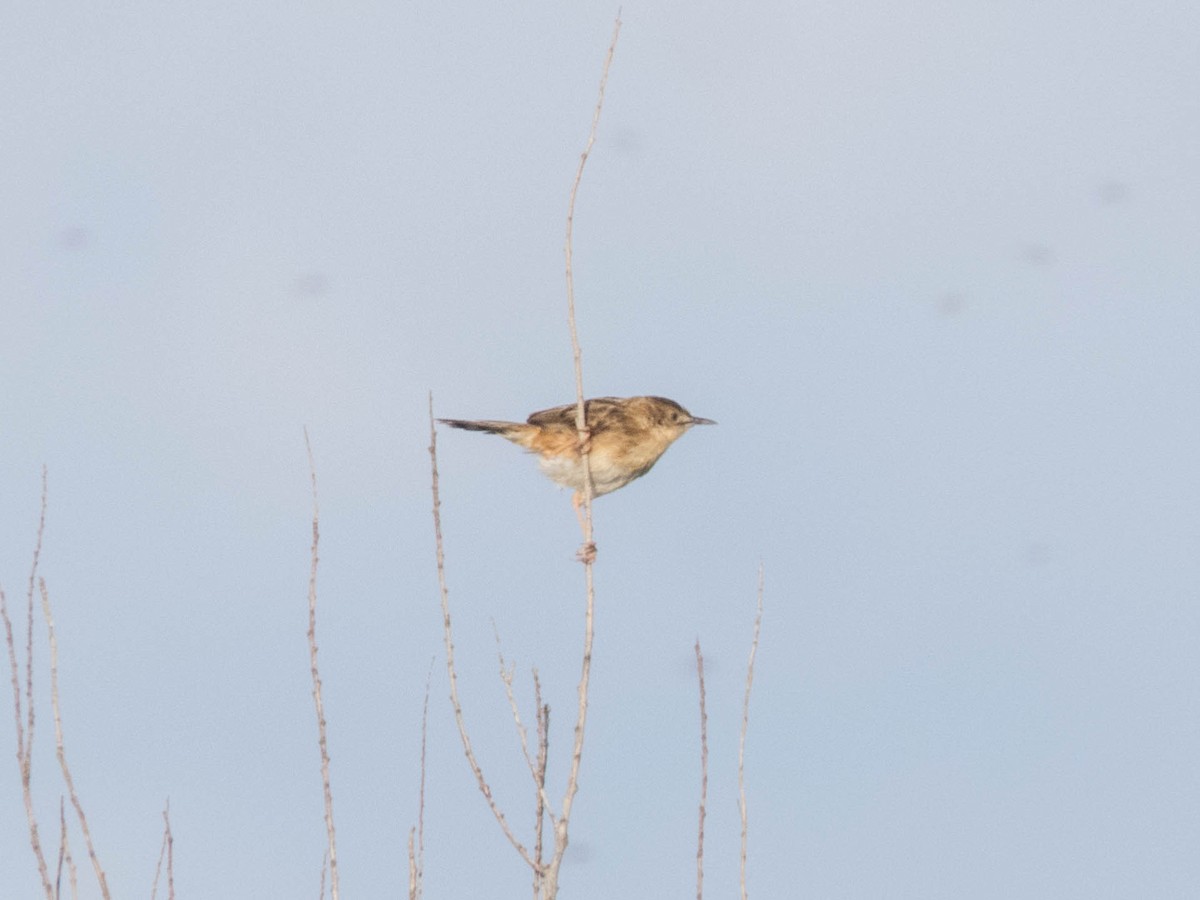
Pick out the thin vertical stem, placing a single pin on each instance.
(416, 853)
(60, 748)
(448, 638)
(745, 726)
(318, 701)
(543, 754)
(588, 551)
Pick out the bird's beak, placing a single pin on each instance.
(696, 420)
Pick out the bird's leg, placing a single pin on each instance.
(587, 552)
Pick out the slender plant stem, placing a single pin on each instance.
(23, 715)
(543, 754)
(60, 748)
(448, 637)
(416, 857)
(318, 701)
(507, 674)
(745, 726)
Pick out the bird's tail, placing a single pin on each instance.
(491, 427)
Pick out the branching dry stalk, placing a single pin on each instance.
(59, 747)
(318, 701)
(703, 774)
(448, 637)
(745, 726)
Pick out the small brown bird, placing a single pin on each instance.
(627, 435)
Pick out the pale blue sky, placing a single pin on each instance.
(932, 266)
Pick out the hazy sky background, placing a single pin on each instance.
(932, 266)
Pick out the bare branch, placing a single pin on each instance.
(24, 754)
(318, 702)
(506, 675)
(65, 856)
(60, 748)
(37, 553)
(416, 849)
(167, 852)
(745, 726)
(448, 636)
(23, 713)
(543, 744)
(64, 850)
(414, 879)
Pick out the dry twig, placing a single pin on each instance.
(24, 715)
(506, 675)
(448, 637)
(745, 726)
(59, 747)
(543, 808)
(167, 852)
(416, 836)
(64, 855)
(318, 702)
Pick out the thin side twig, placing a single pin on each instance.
(543, 755)
(588, 552)
(166, 852)
(703, 774)
(60, 747)
(64, 854)
(416, 836)
(62, 844)
(448, 637)
(506, 675)
(745, 726)
(318, 701)
(37, 553)
(24, 752)
(414, 881)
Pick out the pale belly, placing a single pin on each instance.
(605, 478)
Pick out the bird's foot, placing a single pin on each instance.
(587, 553)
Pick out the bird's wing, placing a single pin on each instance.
(599, 411)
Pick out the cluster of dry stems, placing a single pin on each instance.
(549, 845)
(26, 719)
